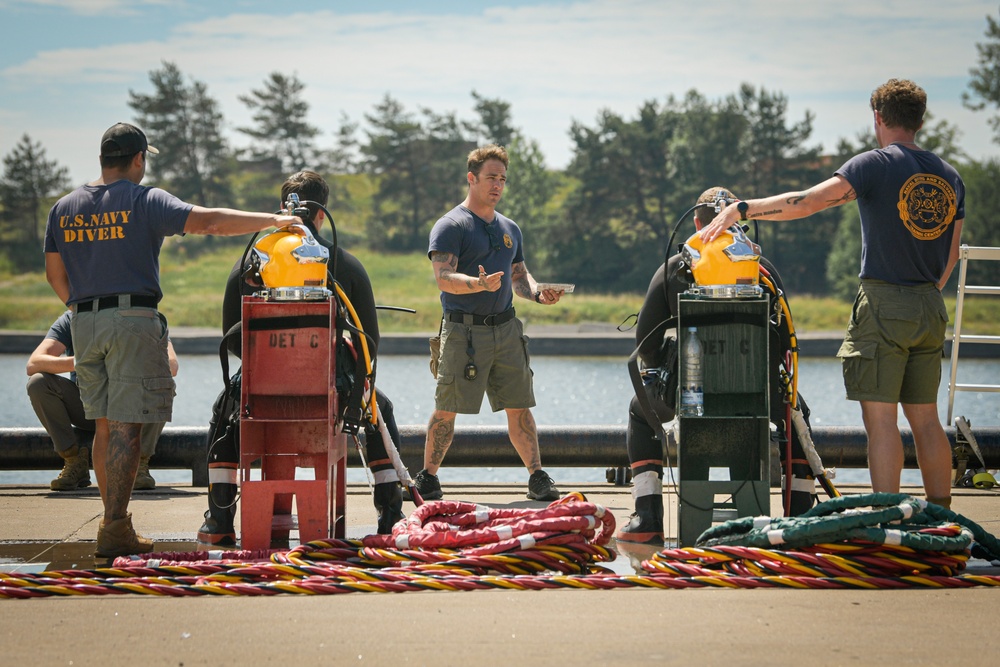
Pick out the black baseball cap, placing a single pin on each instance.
(123, 139)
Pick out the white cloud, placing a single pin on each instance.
(553, 63)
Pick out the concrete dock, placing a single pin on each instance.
(630, 626)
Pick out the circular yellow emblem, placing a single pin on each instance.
(507, 241)
(927, 205)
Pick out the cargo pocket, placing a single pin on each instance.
(435, 346)
(527, 355)
(445, 387)
(859, 365)
(161, 391)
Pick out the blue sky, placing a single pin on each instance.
(67, 66)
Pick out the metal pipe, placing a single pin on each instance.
(183, 447)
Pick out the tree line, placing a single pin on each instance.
(603, 222)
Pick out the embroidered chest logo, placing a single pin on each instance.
(507, 241)
(927, 205)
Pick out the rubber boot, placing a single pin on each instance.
(143, 480)
(218, 528)
(389, 504)
(645, 526)
(75, 473)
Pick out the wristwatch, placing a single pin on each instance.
(538, 297)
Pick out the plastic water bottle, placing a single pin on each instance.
(692, 394)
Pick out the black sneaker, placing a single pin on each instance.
(541, 487)
(428, 486)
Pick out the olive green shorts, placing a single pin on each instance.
(503, 370)
(121, 365)
(894, 344)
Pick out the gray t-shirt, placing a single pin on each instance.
(908, 200)
(109, 237)
(495, 245)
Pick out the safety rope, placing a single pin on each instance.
(567, 546)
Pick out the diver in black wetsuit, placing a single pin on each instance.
(645, 451)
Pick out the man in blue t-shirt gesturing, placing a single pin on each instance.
(102, 258)
(912, 206)
(479, 265)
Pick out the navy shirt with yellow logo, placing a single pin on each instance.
(909, 201)
(109, 237)
(494, 245)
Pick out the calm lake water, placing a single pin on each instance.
(569, 390)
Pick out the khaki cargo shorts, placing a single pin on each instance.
(121, 365)
(894, 344)
(503, 370)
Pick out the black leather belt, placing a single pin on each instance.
(105, 302)
(480, 320)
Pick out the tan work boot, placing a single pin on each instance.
(143, 480)
(119, 538)
(75, 473)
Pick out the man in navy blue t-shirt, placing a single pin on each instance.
(478, 262)
(912, 206)
(102, 250)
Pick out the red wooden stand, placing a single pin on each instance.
(288, 421)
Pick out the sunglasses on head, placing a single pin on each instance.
(494, 232)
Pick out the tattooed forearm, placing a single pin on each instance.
(519, 280)
(446, 267)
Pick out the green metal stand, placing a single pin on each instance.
(734, 431)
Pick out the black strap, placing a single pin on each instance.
(290, 322)
(267, 324)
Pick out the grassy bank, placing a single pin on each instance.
(193, 283)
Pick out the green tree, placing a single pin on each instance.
(28, 181)
(494, 121)
(530, 185)
(634, 180)
(844, 261)
(186, 125)
(280, 131)
(622, 205)
(982, 198)
(343, 158)
(420, 169)
(985, 83)
(778, 159)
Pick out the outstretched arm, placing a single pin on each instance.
(230, 222)
(834, 191)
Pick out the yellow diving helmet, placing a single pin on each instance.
(727, 266)
(291, 264)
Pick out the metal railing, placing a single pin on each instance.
(967, 254)
(182, 447)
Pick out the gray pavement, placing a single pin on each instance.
(618, 627)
